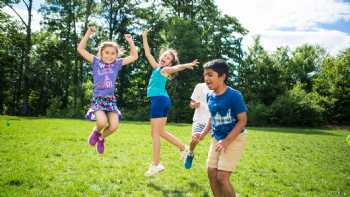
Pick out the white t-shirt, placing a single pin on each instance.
(201, 114)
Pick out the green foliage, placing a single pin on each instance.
(258, 114)
(297, 107)
(260, 76)
(54, 109)
(333, 81)
(12, 44)
(57, 82)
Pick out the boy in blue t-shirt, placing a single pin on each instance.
(227, 120)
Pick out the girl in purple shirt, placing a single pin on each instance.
(105, 71)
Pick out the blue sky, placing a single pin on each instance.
(280, 22)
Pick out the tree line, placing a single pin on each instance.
(41, 73)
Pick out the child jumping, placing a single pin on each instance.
(105, 68)
(227, 120)
(160, 101)
(200, 117)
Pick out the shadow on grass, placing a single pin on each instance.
(176, 192)
(307, 131)
(148, 123)
(167, 192)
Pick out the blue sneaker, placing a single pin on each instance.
(188, 161)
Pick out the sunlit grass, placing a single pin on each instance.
(50, 157)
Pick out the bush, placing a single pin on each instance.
(298, 108)
(258, 114)
(139, 114)
(54, 109)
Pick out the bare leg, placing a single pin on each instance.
(101, 120)
(214, 184)
(223, 178)
(113, 122)
(157, 124)
(193, 144)
(171, 138)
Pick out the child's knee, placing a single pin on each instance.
(101, 124)
(222, 179)
(212, 172)
(113, 127)
(194, 141)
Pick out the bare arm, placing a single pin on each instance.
(82, 45)
(133, 51)
(242, 121)
(173, 69)
(148, 54)
(205, 131)
(194, 104)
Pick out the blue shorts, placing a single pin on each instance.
(160, 106)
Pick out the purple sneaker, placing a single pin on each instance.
(100, 148)
(94, 137)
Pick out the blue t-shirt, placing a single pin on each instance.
(157, 84)
(104, 76)
(223, 111)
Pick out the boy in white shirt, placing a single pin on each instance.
(200, 117)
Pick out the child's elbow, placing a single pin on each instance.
(80, 49)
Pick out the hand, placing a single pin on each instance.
(128, 38)
(196, 136)
(192, 64)
(145, 33)
(221, 145)
(195, 104)
(91, 30)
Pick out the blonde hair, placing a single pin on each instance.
(173, 53)
(105, 44)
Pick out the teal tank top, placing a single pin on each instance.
(157, 84)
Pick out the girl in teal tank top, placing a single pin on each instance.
(167, 65)
(157, 84)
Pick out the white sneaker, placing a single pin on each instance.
(184, 152)
(154, 169)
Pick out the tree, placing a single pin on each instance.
(26, 66)
(260, 78)
(305, 62)
(333, 82)
(12, 52)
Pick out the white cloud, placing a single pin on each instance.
(36, 17)
(268, 17)
(333, 41)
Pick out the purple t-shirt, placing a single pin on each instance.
(104, 76)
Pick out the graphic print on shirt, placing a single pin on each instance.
(219, 119)
(107, 82)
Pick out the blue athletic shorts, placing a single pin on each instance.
(160, 106)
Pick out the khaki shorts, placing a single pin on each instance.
(226, 160)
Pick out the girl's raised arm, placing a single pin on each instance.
(148, 54)
(82, 45)
(133, 52)
(173, 69)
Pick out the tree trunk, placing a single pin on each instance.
(27, 62)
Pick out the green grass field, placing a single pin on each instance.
(50, 157)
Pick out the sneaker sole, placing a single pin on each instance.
(155, 173)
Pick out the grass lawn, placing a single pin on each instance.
(50, 157)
